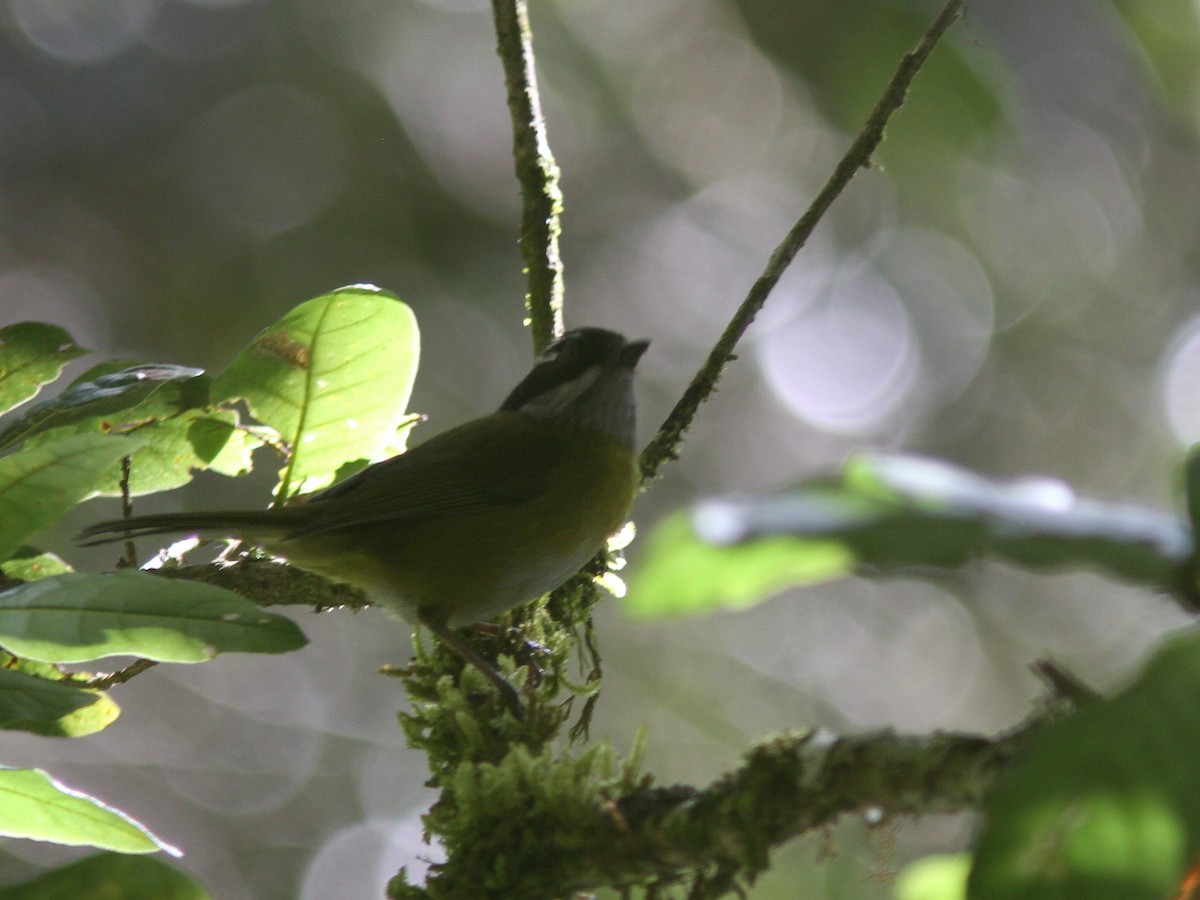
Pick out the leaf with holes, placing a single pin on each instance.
(31, 354)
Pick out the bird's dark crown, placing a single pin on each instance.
(570, 357)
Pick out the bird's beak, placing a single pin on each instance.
(632, 352)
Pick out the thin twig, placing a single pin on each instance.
(537, 173)
(129, 559)
(135, 668)
(666, 442)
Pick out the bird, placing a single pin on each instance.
(474, 521)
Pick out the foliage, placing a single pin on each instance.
(1100, 804)
(888, 513)
(130, 429)
(106, 875)
(39, 808)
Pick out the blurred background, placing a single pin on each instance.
(1014, 286)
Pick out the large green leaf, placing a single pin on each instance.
(109, 876)
(33, 805)
(106, 390)
(333, 378)
(886, 512)
(31, 354)
(51, 708)
(77, 617)
(1103, 804)
(39, 484)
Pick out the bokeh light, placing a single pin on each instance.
(1181, 383)
(847, 362)
(83, 31)
(267, 159)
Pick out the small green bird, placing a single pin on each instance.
(476, 520)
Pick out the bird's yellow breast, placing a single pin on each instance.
(538, 503)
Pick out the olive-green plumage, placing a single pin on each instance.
(477, 519)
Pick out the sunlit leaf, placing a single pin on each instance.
(332, 377)
(35, 806)
(38, 485)
(109, 876)
(680, 574)
(219, 442)
(31, 354)
(934, 878)
(887, 512)
(99, 392)
(85, 720)
(32, 564)
(77, 617)
(1103, 804)
(52, 708)
(169, 413)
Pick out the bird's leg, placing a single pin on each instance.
(531, 649)
(467, 652)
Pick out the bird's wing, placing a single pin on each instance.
(475, 466)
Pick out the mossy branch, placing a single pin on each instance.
(665, 444)
(541, 826)
(537, 173)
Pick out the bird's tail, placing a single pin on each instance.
(265, 523)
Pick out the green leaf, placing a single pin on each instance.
(38, 485)
(931, 878)
(35, 806)
(332, 377)
(1103, 804)
(886, 512)
(77, 617)
(98, 392)
(31, 354)
(110, 876)
(1034, 521)
(32, 564)
(51, 708)
(171, 415)
(680, 574)
(219, 442)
